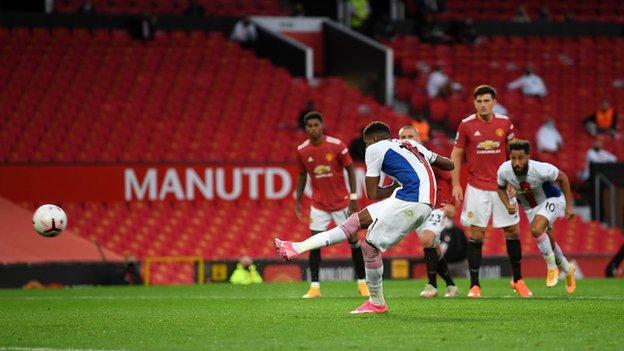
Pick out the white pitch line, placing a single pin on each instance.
(209, 297)
(21, 348)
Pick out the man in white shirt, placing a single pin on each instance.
(244, 32)
(543, 191)
(597, 155)
(548, 137)
(437, 80)
(531, 84)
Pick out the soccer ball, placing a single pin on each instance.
(49, 220)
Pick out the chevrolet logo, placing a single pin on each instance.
(322, 169)
(488, 145)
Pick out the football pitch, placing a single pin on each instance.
(274, 317)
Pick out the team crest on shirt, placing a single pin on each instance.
(500, 132)
(329, 156)
(409, 213)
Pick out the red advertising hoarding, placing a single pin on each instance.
(151, 182)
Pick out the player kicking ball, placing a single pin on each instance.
(543, 203)
(407, 205)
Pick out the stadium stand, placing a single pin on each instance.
(186, 87)
(578, 73)
(102, 97)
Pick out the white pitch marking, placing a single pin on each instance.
(204, 297)
(20, 348)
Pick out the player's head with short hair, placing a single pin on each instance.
(376, 131)
(484, 101)
(519, 155)
(313, 122)
(409, 132)
(484, 89)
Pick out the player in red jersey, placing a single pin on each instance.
(483, 138)
(324, 158)
(429, 232)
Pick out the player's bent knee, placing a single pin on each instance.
(537, 230)
(372, 255)
(350, 228)
(427, 239)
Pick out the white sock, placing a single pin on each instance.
(330, 237)
(374, 281)
(563, 261)
(543, 243)
(316, 285)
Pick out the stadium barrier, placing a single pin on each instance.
(62, 273)
(272, 270)
(607, 202)
(358, 58)
(198, 263)
(284, 51)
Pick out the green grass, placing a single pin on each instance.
(273, 316)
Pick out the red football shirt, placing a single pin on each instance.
(325, 164)
(485, 146)
(444, 187)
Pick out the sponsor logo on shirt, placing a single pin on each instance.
(322, 171)
(488, 147)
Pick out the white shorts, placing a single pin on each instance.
(319, 220)
(393, 219)
(480, 205)
(436, 222)
(552, 208)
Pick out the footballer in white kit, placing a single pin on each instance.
(544, 193)
(408, 203)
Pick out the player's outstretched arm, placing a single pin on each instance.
(443, 163)
(564, 184)
(456, 156)
(376, 192)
